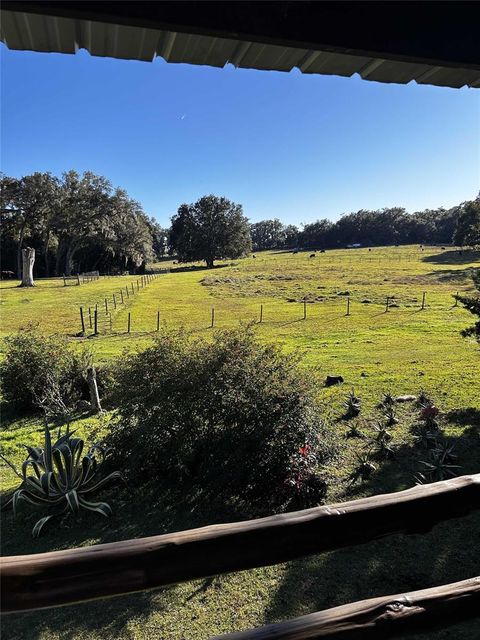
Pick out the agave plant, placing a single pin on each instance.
(381, 442)
(440, 464)
(354, 432)
(426, 437)
(352, 405)
(388, 400)
(62, 478)
(390, 414)
(364, 468)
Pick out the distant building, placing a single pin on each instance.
(355, 245)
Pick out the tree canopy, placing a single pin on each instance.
(75, 223)
(210, 229)
(467, 232)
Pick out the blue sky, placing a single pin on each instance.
(291, 146)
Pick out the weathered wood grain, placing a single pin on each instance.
(382, 617)
(86, 573)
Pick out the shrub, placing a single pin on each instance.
(35, 363)
(230, 418)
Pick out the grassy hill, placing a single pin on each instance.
(403, 350)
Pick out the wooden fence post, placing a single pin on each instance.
(138, 286)
(121, 294)
(128, 326)
(126, 289)
(64, 281)
(213, 317)
(82, 320)
(114, 302)
(423, 300)
(348, 305)
(456, 300)
(78, 279)
(305, 308)
(95, 318)
(90, 317)
(106, 306)
(261, 313)
(133, 289)
(386, 305)
(158, 320)
(110, 316)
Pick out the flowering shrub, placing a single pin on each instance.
(231, 418)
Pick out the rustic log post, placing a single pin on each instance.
(213, 317)
(423, 300)
(90, 317)
(138, 286)
(114, 302)
(126, 291)
(386, 304)
(305, 308)
(93, 390)
(106, 306)
(381, 617)
(348, 305)
(78, 279)
(56, 578)
(128, 325)
(133, 290)
(121, 295)
(28, 260)
(64, 281)
(261, 313)
(158, 320)
(95, 318)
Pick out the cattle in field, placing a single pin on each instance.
(312, 255)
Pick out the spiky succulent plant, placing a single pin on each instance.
(352, 404)
(62, 478)
(440, 465)
(363, 469)
(381, 442)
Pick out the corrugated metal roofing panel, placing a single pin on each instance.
(28, 31)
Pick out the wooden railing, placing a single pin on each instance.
(105, 570)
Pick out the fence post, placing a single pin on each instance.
(95, 317)
(126, 289)
(114, 302)
(64, 281)
(456, 300)
(121, 294)
(90, 317)
(78, 279)
(348, 305)
(82, 320)
(158, 320)
(261, 313)
(106, 306)
(133, 289)
(305, 308)
(128, 326)
(138, 286)
(110, 316)
(386, 305)
(213, 317)
(423, 300)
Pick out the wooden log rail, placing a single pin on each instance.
(382, 617)
(100, 571)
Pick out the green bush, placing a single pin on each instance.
(231, 418)
(35, 363)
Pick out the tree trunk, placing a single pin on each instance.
(209, 262)
(19, 252)
(28, 259)
(93, 389)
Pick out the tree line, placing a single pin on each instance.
(390, 226)
(82, 223)
(75, 223)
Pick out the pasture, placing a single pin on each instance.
(403, 350)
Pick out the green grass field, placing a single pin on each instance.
(403, 350)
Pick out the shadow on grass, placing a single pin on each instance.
(460, 276)
(460, 256)
(396, 564)
(195, 267)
